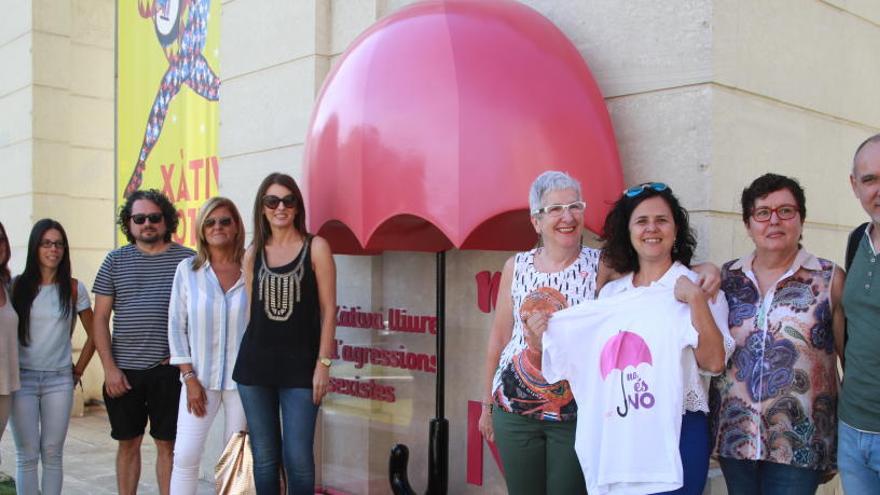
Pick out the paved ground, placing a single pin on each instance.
(89, 458)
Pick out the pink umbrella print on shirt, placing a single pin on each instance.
(622, 350)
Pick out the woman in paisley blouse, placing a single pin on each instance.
(774, 409)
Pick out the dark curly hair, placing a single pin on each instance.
(770, 183)
(618, 251)
(160, 200)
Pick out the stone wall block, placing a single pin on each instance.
(93, 71)
(269, 32)
(800, 53)
(18, 69)
(15, 169)
(753, 136)
(665, 136)
(50, 16)
(51, 60)
(94, 22)
(99, 113)
(267, 109)
(16, 118)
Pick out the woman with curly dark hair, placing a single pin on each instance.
(774, 410)
(649, 240)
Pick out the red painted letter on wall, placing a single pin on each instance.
(487, 290)
(475, 446)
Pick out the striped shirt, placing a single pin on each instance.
(140, 285)
(205, 325)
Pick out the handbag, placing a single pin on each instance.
(234, 474)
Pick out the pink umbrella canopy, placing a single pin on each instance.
(622, 350)
(432, 125)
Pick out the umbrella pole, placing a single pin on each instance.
(438, 448)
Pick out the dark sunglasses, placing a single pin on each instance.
(46, 244)
(223, 221)
(154, 218)
(271, 201)
(639, 189)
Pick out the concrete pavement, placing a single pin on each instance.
(90, 457)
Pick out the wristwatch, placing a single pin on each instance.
(325, 361)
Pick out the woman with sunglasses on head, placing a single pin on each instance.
(531, 421)
(648, 239)
(47, 299)
(206, 321)
(774, 410)
(284, 359)
(9, 381)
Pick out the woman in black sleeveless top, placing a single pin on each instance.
(284, 358)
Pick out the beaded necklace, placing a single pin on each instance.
(281, 291)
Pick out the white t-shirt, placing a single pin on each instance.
(622, 357)
(696, 380)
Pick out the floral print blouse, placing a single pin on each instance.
(777, 401)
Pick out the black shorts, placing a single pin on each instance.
(154, 394)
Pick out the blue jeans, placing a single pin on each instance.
(40, 415)
(693, 447)
(858, 457)
(292, 438)
(768, 478)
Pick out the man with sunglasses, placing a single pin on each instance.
(858, 444)
(134, 284)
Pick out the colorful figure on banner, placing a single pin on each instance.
(181, 28)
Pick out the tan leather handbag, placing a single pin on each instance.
(234, 474)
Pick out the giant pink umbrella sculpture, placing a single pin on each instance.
(429, 130)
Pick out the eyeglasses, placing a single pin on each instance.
(271, 201)
(46, 244)
(154, 218)
(223, 221)
(784, 212)
(575, 208)
(634, 191)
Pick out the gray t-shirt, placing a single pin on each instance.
(49, 331)
(140, 285)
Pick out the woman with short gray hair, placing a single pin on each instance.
(535, 420)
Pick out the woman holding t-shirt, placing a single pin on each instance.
(647, 238)
(531, 421)
(284, 358)
(47, 300)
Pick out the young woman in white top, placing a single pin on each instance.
(47, 300)
(648, 239)
(8, 336)
(206, 320)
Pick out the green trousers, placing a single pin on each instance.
(538, 456)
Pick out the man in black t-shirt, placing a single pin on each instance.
(134, 284)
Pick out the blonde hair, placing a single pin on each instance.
(202, 254)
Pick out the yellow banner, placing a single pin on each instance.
(168, 87)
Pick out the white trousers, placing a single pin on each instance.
(192, 431)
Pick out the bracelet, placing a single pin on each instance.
(187, 375)
(489, 405)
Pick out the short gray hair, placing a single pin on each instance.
(551, 180)
(875, 139)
